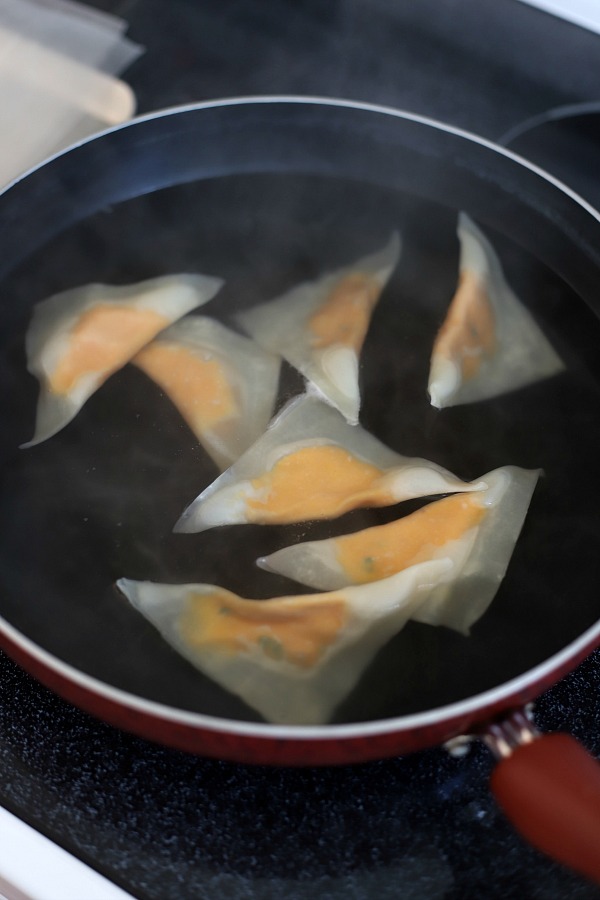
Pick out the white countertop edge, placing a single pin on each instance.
(32, 867)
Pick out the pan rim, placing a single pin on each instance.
(315, 100)
(522, 685)
(519, 686)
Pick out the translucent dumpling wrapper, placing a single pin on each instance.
(320, 326)
(311, 464)
(477, 531)
(292, 659)
(489, 343)
(223, 384)
(78, 338)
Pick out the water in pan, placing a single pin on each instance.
(98, 501)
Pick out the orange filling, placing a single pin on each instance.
(386, 549)
(315, 483)
(468, 334)
(103, 340)
(296, 629)
(344, 317)
(198, 387)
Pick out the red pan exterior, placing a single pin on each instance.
(343, 746)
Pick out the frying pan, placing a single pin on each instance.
(267, 192)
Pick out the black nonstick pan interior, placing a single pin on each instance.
(98, 501)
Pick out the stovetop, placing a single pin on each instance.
(163, 824)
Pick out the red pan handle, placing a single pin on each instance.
(550, 790)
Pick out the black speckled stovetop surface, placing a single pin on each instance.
(163, 824)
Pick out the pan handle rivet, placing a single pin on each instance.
(459, 746)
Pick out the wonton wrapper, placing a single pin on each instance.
(477, 531)
(78, 338)
(489, 343)
(311, 464)
(223, 384)
(293, 659)
(320, 326)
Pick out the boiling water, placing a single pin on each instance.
(98, 501)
